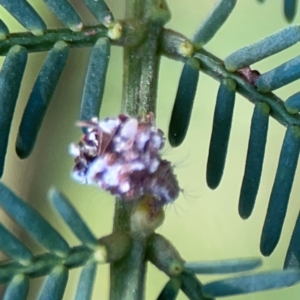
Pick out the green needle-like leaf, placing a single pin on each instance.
(170, 290)
(292, 104)
(192, 287)
(223, 266)
(266, 47)
(25, 15)
(213, 21)
(32, 221)
(220, 133)
(281, 191)
(86, 281)
(280, 76)
(10, 81)
(13, 247)
(255, 158)
(290, 9)
(292, 259)
(65, 12)
(95, 80)
(18, 288)
(55, 285)
(40, 98)
(100, 10)
(183, 105)
(72, 217)
(251, 283)
(4, 32)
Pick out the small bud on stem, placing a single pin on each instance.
(112, 247)
(164, 255)
(147, 216)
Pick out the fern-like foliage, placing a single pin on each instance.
(60, 258)
(57, 263)
(234, 75)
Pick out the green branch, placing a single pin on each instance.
(42, 265)
(140, 80)
(173, 45)
(214, 67)
(133, 33)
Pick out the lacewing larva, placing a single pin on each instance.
(122, 155)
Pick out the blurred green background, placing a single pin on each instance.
(202, 224)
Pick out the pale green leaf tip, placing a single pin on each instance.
(24, 262)
(100, 254)
(61, 254)
(37, 32)
(52, 192)
(229, 67)
(265, 108)
(19, 278)
(103, 41)
(194, 63)
(114, 31)
(2, 36)
(76, 27)
(60, 45)
(230, 83)
(292, 110)
(15, 49)
(58, 270)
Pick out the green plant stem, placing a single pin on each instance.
(139, 97)
(134, 8)
(127, 276)
(140, 78)
(216, 69)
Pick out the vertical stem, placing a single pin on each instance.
(132, 60)
(134, 9)
(140, 76)
(141, 64)
(127, 276)
(140, 79)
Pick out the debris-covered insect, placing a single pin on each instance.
(122, 155)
